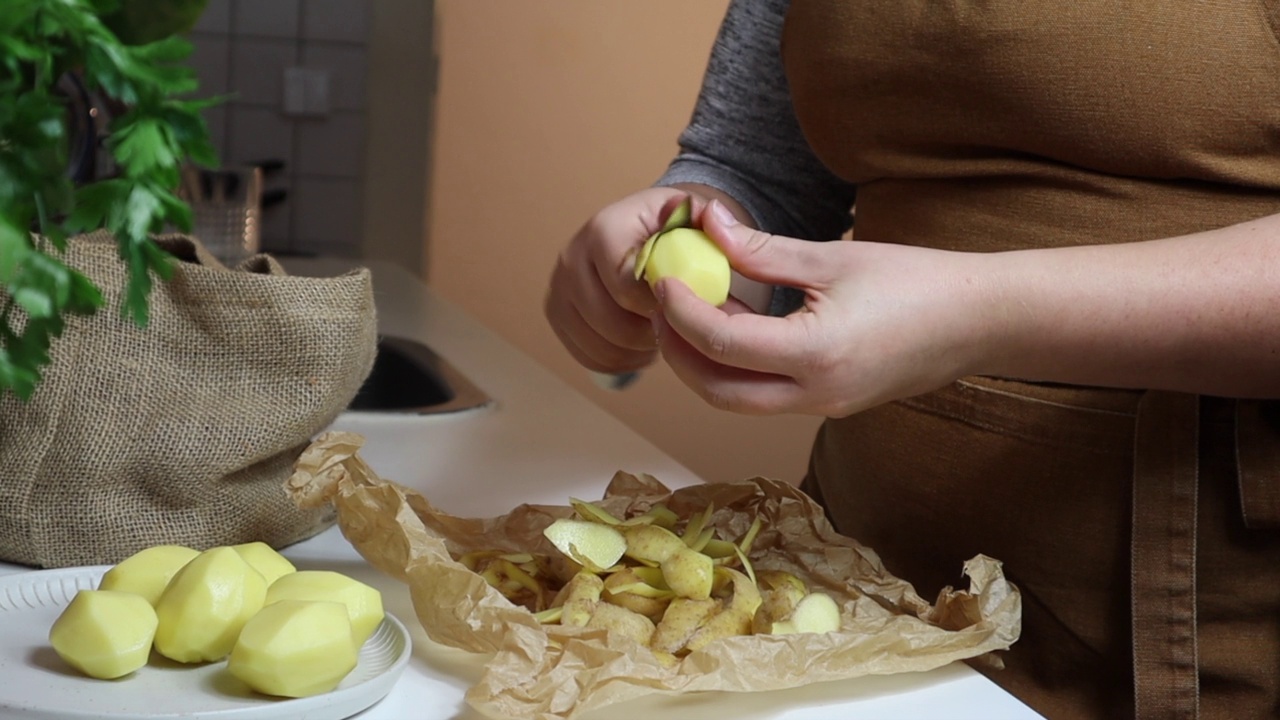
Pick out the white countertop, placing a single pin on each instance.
(541, 442)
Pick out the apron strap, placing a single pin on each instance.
(1163, 576)
(1258, 462)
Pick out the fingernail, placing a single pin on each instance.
(722, 214)
(660, 290)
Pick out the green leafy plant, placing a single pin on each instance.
(41, 207)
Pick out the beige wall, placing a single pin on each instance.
(548, 111)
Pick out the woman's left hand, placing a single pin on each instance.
(879, 323)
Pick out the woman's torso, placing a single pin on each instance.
(989, 126)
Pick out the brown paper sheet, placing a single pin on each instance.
(554, 673)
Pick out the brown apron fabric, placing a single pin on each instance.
(1165, 476)
(1138, 524)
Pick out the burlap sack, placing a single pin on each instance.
(183, 431)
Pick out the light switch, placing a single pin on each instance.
(306, 92)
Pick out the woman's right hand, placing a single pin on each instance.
(595, 305)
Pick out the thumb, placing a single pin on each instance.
(761, 256)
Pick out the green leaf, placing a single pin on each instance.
(162, 131)
(142, 147)
(36, 303)
(15, 247)
(85, 297)
(142, 212)
(19, 376)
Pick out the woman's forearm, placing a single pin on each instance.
(1198, 313)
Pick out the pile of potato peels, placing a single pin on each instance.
(668, 584)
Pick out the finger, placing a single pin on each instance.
(592, 350)
(597, 306)
(614, 263)
(743, 340)
(725, 387)
(773, 259)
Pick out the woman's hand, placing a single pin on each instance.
(595, 305)
(880, 322)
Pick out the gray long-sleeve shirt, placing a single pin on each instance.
(744, 140)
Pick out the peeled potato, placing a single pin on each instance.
(364, 603)
(147, 572)
(692, 257)
(205, 606)
(264, 558)
(105, 634)
(815, 613)
(295, 648)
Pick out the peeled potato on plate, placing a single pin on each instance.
(295, 636)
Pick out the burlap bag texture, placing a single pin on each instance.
(183, 431)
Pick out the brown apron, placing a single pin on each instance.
(1139, 525)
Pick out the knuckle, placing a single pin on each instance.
(719, 399)
(757, 243)
(719, 344)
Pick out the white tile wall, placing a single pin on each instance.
(348, 68)
(332, 147)
(242, 48)
(257, 69)
(266, 18)
(327, 211)
(216, 17)
(276, 226)
(210, 57)
(256, 134)
(215, 119)
(343, 20)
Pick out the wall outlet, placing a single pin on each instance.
(306, 92)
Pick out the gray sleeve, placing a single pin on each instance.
(744, 140)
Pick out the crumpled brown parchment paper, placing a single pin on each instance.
(553, 673)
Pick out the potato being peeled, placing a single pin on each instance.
(693, 258)
(686, 254)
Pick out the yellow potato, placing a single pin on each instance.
(104, 634)
(781, 592)
(626, 588)
(581, 596)
(692, 257)
(689, 573)
(364, 603)
(264, 558)
(623, 622)
(735, 617)
(206, 604)
(681, 620)
(147, 572)
(686, 571)
(815, 613)
(651, 544)
(295, 648)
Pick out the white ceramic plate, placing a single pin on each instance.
(36, 684)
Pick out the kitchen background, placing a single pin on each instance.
(467, 140)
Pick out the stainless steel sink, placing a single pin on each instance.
(409, 378)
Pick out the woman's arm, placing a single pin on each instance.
(744, 141)
(880, 322)
(1198, 313)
